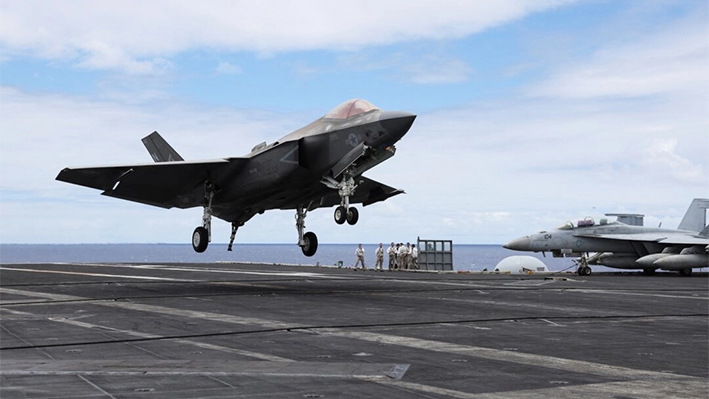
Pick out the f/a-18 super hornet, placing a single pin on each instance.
(317, 166)
(626, 243)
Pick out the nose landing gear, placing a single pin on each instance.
(345, 188)
(584, 269)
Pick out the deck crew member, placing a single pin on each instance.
(380, 257)
(407, 259)
(401, 258)
(359, 252)
(391, 251)
(414, 257)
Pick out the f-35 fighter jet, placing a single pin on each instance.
(625, 245)
(317, 166)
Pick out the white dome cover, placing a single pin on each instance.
(520, 264)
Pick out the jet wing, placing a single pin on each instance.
(662, 238)
(163, 184)
(368, 192)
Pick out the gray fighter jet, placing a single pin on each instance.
(317, 166)
(626, 243)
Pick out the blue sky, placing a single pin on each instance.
(529, 112)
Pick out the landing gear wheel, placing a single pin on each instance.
(584, 271)
(648, 271)
(310, 244)
(685, 272)
(352, 216)
(200, 239)
(340, 214)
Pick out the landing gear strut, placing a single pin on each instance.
(584, 269)
(203, 234)
(234, 227)
(308, 242)
(345, 188)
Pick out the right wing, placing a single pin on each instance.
(368, 192)
(164, 184)
(673, 238)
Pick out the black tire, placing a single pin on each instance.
(584, 271)
(649, 271)
(352, 216)
(685, 272)
(311, 244)
(200, 239)
(340, 214)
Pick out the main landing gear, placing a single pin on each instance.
(203, 234)
(308, 242)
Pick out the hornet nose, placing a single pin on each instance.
(519, 244)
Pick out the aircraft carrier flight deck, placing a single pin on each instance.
(240, 330)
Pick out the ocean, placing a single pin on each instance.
(465, 257)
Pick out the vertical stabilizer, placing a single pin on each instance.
(159, 149)
(696, 217)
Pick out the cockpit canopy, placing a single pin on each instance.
(585, 222)
(351, 108)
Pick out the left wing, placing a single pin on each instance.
(163, 184)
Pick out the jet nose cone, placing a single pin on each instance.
(518, 244)
(396, 123)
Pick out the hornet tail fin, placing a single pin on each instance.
(159, 149)
(696, 217)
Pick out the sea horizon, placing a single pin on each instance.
(466, 257)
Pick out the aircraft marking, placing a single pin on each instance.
(96, 387)
(202, 345)
(174, 268)
(643, 294)
(94, 274)
(353, 140)
(285, 159)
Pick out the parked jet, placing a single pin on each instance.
(317, 166)
(624, 246)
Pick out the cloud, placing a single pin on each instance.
(436, 70)
(494, 170)
(138, 37)
(100, 55)
(225, 68)
(418, 66)
(660, 158)
(672, 59)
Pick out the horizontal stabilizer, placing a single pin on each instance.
(159, 149)
(705, 232)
